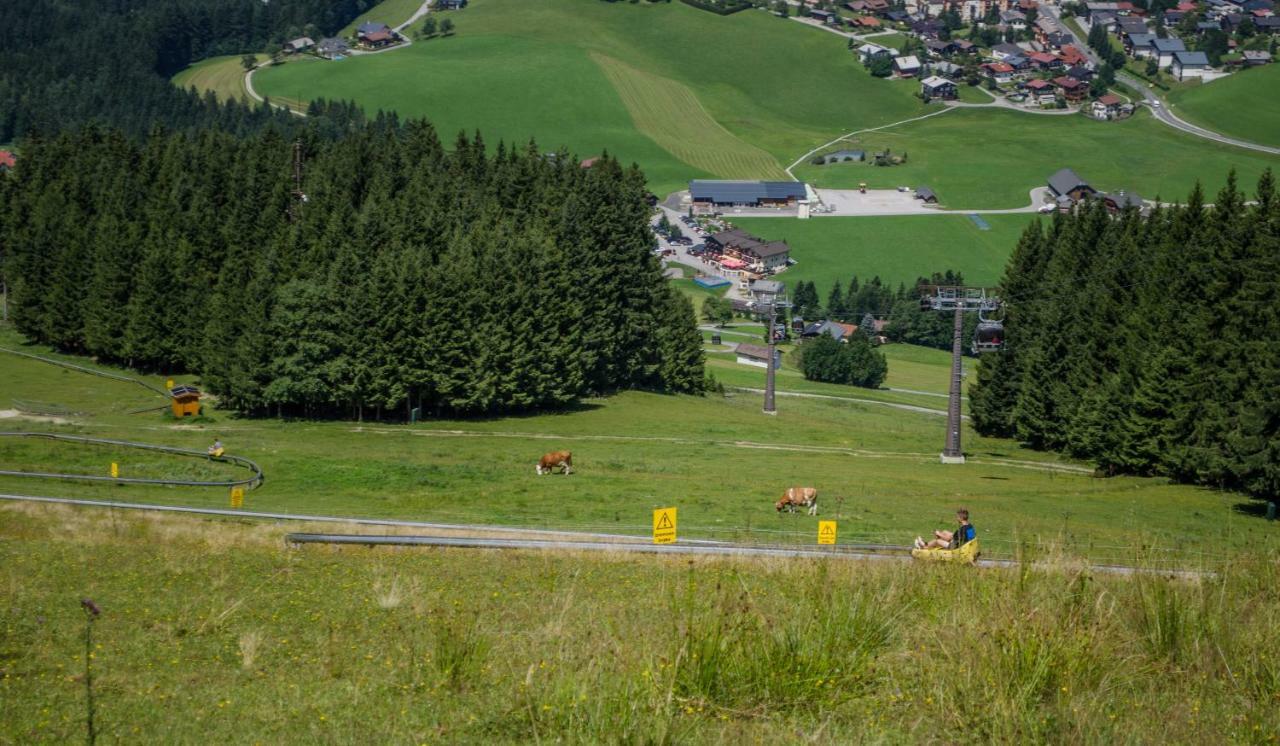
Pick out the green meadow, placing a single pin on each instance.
(222, 75)
(717, 458)
(665, 85)
(219, 632)
(1245, 105)
(992, 158)
(897, 249)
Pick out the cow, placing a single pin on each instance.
(798, 497)
(562, 459)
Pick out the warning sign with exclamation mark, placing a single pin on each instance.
(664, 526)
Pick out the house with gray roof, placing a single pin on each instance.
(1067, 183)
(844, 156)
(333, 47)
(1164, 50)
(1189, 65)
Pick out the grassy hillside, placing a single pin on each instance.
(391, 12)
(991, 158)
(897, 249)
(216, 632)
(518, 69)
(1245, 105)
(719, 459)
(222, 75)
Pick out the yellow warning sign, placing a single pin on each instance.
(169, 384)
(237, 496)
(115, 470)
(664, 526)
(826, 532)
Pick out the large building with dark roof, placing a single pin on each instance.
(741, 250)
(710, 193)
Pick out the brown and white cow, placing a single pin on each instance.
(799, 497)
(562, 459)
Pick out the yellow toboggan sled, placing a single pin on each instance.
(967, 553)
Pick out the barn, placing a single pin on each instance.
(708, 193)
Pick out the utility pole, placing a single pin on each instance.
(298, 196)
(961, 300)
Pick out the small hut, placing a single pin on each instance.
(186, 401)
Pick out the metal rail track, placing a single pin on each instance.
(251, 482)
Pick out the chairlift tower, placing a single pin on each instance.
(298, 196)
(771, 304)
(989, 338)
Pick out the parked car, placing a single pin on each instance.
(1046, 209)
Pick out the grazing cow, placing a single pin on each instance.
(562, 459)
(798, 497)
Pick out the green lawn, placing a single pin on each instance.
(636, 79)
(1245, 105)
(391, 12)
(218, 632)
(718, 459)
(222, 75)
(898, 249)
(991, 158)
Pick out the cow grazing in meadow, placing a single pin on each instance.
(562, 459)
(799, 497)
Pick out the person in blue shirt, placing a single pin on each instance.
(963, 534)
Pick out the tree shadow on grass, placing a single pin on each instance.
(1252, 508)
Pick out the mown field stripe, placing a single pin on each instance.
(670, 114)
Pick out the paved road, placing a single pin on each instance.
(1158, 107)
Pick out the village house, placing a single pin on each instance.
(926, 195)
(907, 67)
(999, 72)
(1122, 200)
(333, 48)
(868, 52)
(935, 87)
(1164, 49)
(1071, 89)
(449, 4)
(301, 44)
(1253, 58)
(1110, 106)
(1189, 65)
(1067, 185)
(1002, 52)
(1040, 91)
(1044, 61)
(1072, 57)
(375, 35)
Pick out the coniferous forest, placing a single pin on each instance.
(457, 280)
(1148, 345)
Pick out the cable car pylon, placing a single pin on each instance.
(989, 337)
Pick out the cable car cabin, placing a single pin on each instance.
(185, 401)
(988, 337)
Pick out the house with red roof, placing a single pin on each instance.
(1070, 88)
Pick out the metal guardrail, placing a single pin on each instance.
(251, 482)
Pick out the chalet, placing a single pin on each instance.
(1070, 88)
(449, 4)
(823, 16)
(741, 250)
(927, 29)
(1107, 107)
(870, 22)
(374, 35)
(907, 67)
(1189, 65)
(765, 291)
(940, 48)
(1013, 19)
(999, 72)
(868, 52)
(836, 331)
(897, 16)
(333, 48)
(1072, 57)
(1001, 52)
(1254, 58)
(1139, 45)
(844, 156)
(1164, 49)
(1106, 20)
(935, 87)
(1268, 25)
(1019, 63)
(948, 70)
(1041, 91)
(1122, 200)
(1067, 183)
(1044, 61)
(1128, 26)
(1205, 27)
(301, 44)
(964, 46)
(926, 195)
(1172, 18)
(7, 160)
(1048, 29)
(709, 193)
(758, 355)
